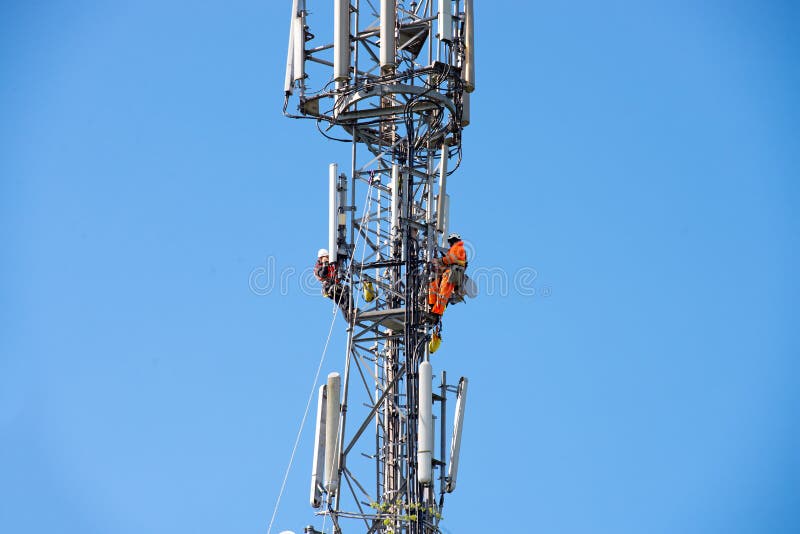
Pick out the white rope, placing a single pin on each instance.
(303, 422)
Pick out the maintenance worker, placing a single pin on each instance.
(454, 263)
(332, 286)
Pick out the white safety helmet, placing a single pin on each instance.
(322, 252)
(453, 236)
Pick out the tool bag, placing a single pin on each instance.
(457, 276)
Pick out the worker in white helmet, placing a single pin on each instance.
(452, 266)
(332, 287)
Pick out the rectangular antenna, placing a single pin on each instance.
(333, 213)
(299, 45)
(388, 20)
(441, 208)
(332, 433)
(318, 462)
(444, 217)
(395, 215)
(425, 424)
(469, 44)
(455, 445)
(465, 109)
(288, 85)
(341, 40)
(445, 21)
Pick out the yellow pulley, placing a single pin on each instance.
(434, 343)
(369, 292)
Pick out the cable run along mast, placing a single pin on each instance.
(394, 83)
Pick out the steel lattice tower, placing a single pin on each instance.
(398, 80)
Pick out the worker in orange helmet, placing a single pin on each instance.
(454, 264)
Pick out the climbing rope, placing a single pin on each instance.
(302, 422)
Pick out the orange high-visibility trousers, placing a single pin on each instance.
(433, 290)
(442, 293)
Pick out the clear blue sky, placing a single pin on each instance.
(642, 157)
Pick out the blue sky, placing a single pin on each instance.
(640, 157)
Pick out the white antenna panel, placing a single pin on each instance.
(388, 21)
(341, 40)
(318, 462)
(425, 424)
(455, 445)
(332, 434)
(445, 21)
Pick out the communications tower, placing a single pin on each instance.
(393, 81)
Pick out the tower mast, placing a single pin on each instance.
(394, 83)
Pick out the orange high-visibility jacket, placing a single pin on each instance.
(325, 272)
(456, 255)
